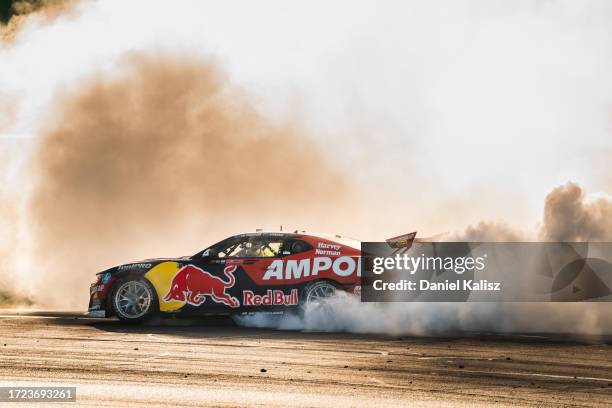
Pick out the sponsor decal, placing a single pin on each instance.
(281, 269)
(324, 248)
(105, 278)
(326, 252)
(96, 289)
(135, 266)
(326, 245)
(192, 285)
(271, 298)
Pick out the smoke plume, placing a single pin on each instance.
(489, 231)
(569, 216)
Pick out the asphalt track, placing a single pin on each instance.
(213, 363)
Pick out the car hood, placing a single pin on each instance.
(180, 258)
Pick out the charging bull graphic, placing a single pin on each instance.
(192, 284)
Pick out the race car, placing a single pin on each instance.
(244, 273)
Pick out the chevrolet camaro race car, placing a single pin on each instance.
(241, 274)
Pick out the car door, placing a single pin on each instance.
(265, 290)
(252, 261)
(221, 277)
(214, 279)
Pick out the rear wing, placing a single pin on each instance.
(402, 241)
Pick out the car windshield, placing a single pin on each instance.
(257, 248)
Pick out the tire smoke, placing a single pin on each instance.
(346, 313)
(569, 216)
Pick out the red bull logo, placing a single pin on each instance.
(271, 298)
(192, 284)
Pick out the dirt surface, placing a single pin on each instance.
(204, 363)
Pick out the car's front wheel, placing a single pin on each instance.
(134, 300)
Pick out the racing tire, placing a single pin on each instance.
(134, 299)
(315, 292)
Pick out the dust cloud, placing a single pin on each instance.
(154, 161)
(9, 294)
(161, 157)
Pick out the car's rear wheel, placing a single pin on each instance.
(134, 300)
(316, 293)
